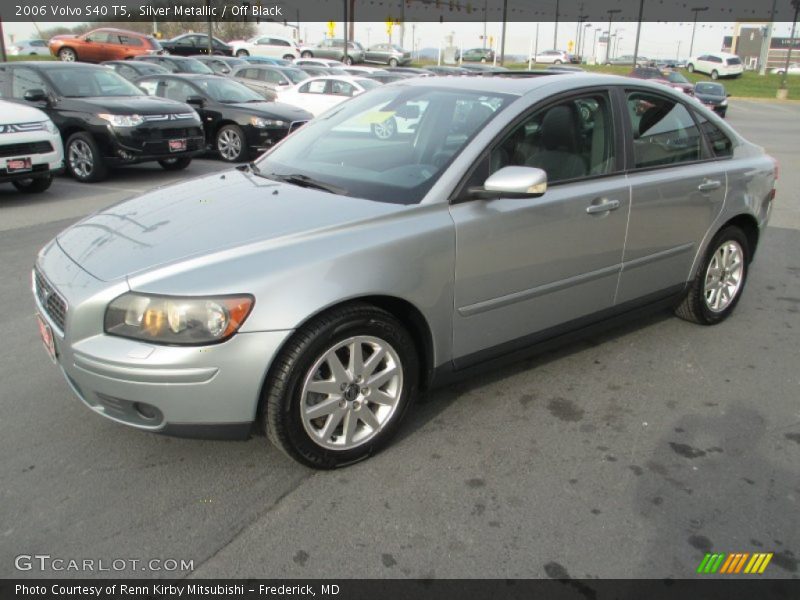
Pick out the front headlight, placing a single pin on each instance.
(262, 123)
(177, 320)
(50, 126)
(122, 120)
(724, 103)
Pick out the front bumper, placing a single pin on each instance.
(208, 391)
(148, 143)
(45, 162)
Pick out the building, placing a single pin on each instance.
(746, 43)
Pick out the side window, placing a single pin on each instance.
(313, 87)
(23, 80)
(276, 42)
(38, 43)
(177, 90)
(720, 144)
(126, 71)
(664, 132)
(169, 65)
(341, 88)
(188, 40)
(127, 40)
(3, 80)
(273, 77)
(100, 37)
(150, 86)
(569, 140)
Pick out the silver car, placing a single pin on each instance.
(314, 293)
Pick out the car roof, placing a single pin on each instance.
(55, 64)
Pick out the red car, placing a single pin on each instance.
(671, 78)
(103, 44)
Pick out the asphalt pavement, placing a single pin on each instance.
(627, 454)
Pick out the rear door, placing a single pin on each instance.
(678, 189)
(528, 267)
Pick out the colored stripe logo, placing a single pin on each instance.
(735, 563)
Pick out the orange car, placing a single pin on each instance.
(103, 44)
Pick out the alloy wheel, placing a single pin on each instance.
(229, 145)
(81, 160)
(351, 392)
(724, 276)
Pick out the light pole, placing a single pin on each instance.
(638, 31)
(783, 92)
(581, 19)
(594, 44)
(485, 9)
(763, 57)
(694, 26)
(611, 13)
(555, 31)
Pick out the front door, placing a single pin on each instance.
(524, 267)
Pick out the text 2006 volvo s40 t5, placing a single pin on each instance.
(314, 293)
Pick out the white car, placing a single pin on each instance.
(320, 62)
(31, 151)
(794, 69)
(274, 46)
(318, 94)
(719, 64)
(29, 48)
(552, 57)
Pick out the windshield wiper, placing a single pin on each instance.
(309, 182)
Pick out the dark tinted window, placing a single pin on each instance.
(720, 144)
(128, 40)
(664, 132)
(734, 61)
(23, 80)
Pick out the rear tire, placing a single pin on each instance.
(720, 279)
(393, 62)
(84, 160)
(307, 54)
(175, 164)
(348, 60)
(289, 57)
(322, 355)
(241, 53)
(33, 186)
(690, 68)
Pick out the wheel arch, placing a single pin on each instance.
(749, 226)
(403, 310)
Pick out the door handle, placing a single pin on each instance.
(603, 206)
(709, 185)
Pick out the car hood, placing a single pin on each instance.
(203, 216)
(286, 112)
(19, 113)
(123, 105)
(710, 98)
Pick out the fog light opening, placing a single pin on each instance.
(146, 411)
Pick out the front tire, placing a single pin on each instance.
(349, 60)
(720, 279)
(690, 68)
(84, 160)
(393, 62)
(289, 57)
(241, 53)
(33, 186)
(307, 54)
(231, 144)
(385, 130)
(175, 164)
(714, 74)
(67, 55)
(339, 390)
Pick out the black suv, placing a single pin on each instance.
(103, 118)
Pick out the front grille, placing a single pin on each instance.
(25, 149)
(169, 117)
(296, 125)
(54, 305)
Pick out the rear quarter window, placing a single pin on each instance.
(720, 144)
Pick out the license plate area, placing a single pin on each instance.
(46, 333)
(177, 145)
(19, 165)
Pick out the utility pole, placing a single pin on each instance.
(694, 26)
(594, 44)
(210, 30)
(783, 92)
(638, 31)
(485, 9)
(611, 13)
(503, 33)
(766, 43)
(555, 31)
(402, 23)
(346, 33)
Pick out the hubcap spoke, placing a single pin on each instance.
(382, 377)
(330, 425)
(331, 388)
(366, 415)
(322, 409)
(724, 274)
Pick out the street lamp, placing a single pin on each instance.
(581, 19)
(616, 46)
(594, 44)
(611, 13)
(555, 31)
(638, 31)
(694, 26)
(582, 40)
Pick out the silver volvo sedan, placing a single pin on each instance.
(314, 293)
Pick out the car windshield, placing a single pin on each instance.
(390, 145)
(712, 89)
(192, 65)
(367, 84)
(84, 82)
(296, 75)
(227, 91)
(675, 77)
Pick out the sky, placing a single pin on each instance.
(657, 40)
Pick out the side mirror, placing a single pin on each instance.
(727, 95)
(35, 95)
(225, 71)
(195, 101)
(512, 182)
